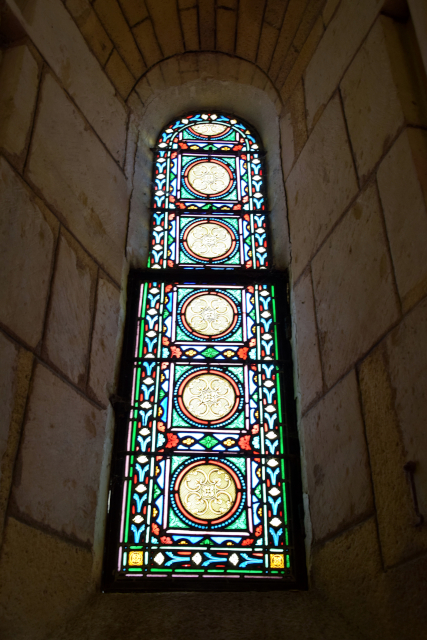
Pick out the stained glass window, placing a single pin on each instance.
(206, 465)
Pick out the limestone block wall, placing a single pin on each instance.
(336, 89)
(64, 202)
(356, 195)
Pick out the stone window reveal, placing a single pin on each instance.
(205, 476)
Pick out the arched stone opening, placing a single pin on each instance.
(353, 156)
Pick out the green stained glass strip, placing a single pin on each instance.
(141, 333)
(161, 570)
(189, 570)
(243, 571)
(128, 505)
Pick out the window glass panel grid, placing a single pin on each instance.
(206, 464)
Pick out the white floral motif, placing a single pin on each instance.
(208, 129)
(207, 491)
(209, 314)
(208, 178)
(209, 240)
(208, 397)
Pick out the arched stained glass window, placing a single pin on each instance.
(206, 464)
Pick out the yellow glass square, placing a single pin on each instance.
(135, 559)
(277, 561)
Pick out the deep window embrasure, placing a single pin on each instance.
(206, 463)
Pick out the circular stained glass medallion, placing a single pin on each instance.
(209, 178)
(209, 314)
(209, 240)
(207, 491)
(209, 397)
(209, 129)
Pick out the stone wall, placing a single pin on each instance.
(337, 92)
(357, 197)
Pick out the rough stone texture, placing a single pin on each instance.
(348, 569)
(293, 129)
(353, 287)
(288, 30)
(79, 178)
(92, 30)
(329, 10)
(104, 340)
(66, 343)
(402, 182)
(190, 28)
(418, 11)
(188, 66)
(408, 375)
(147, 42)
(59, 40)
(27, 238)
(243, 615)
(225, 29)
(320, 185)
(375, 109)
(337, 460)
(342, 38)
(306, 344)
(267, 43)
(9, 361)
(304, 42)
(19, 78)
(207, 24)
(117, 28)
(379, 605)
(135, 11)
(43, 580)
(393, 499)
(248, 28)
(60, 456)
(303, 57)
(170, 72)
(166, 25)
(15, 372)
(136, 110)
(119, 75)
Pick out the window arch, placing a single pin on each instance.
(206, 464)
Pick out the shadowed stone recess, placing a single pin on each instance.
(402, 183)
(105, 330)
(51, 27)
(336, 460)
(60, 458)
(353, 287)
(27, 236)
(70, 314)
(78, 177)
(42, 578)
(320, 186)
